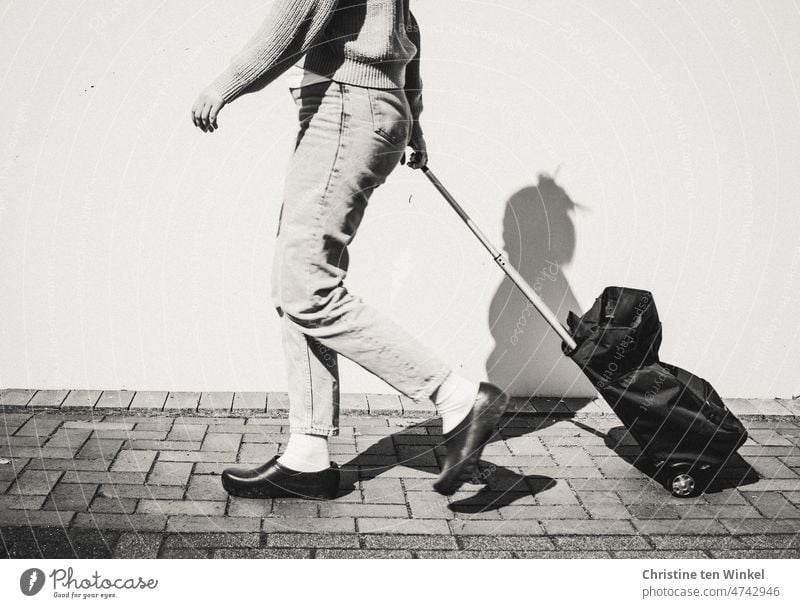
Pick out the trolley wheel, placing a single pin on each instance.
(683, 485)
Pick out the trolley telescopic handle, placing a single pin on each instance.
(501, 260)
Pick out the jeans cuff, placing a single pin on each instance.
(431, 384)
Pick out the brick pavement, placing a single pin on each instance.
(122, 474)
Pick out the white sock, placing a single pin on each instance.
(306, 453)
(454, 400)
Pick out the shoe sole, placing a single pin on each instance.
(274, 492)
(468, 469)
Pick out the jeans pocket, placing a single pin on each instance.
(389, 116)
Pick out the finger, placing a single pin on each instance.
(194, 115)
(212, 116)
(204, 114)
(403, 159)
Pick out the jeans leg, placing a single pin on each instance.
(313, 375)
(342, 155)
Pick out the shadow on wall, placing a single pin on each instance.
(539, 239)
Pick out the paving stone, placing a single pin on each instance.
(116, 400)
(277, 403)
(186, 554)
(659, 554)
(384, 404)
(35, 482)
(600, 542)
(65, 464)
(48, 398)
(571, 457)
(16, 396)
(681, 526)
(254, 507)
(34, 452)
(770, 407)
(114, 521)
(100, 449)
(353, 403)
(199, 523)
(506, 543)
(361, 554)
(181, 507)
(27, 502)
(113, 505)
(112, 477)
(257, 452)
(140, 491)
(280, 422)
(198, 457)
(328, 509)
(222, 442)
(170, 473)
(206, 487)
(250, 402)
(761, 526)
(135, 545)
(134, 461)
(756, 554)
(770, 540)
(496, 528)
(322, 541)
(126, 435)
(558, 493)
(683, 542)
(543, 512)
(38, 426)
(299, 508)
(526, 446)
(65, 438)
(263, 553)
(149, 400)
(587, 526)
(55, 542)
(342, 525)
(421, 542)
(182, 400)
(222, 401)
(772, 505)
(187, 432)
(13, 517)
(424, 505)
(212, 540)
(25, 441)
(81, 399)
(98, 425)
(562, 554)
(71, 497)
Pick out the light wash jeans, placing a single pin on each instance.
(350, 140)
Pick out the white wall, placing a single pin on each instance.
(649, 144)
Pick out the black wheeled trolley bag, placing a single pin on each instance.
(681, 424)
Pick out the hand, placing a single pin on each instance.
(419, 154)
(205, 110)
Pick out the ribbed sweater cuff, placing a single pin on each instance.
(228, 84)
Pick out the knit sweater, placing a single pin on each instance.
(368, 43)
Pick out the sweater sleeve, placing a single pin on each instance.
(290, 29)
(413, 86)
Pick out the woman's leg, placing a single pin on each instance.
(351, 139)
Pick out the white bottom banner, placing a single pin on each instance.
(398, 582)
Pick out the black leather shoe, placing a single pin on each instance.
(273, 480)
(465, 443)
